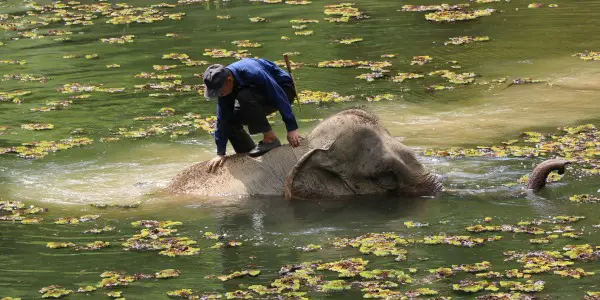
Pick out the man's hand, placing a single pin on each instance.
(215, 163)
(293, 138)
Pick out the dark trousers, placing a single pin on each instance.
(251, 108)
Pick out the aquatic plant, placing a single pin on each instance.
(54, 291)
(168, 273)
(461, 40)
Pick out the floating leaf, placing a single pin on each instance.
(403, 76)
(114, 294)
(168, 273)
(370, 77)
(238, 274)
(584, 198)
(377, 98)
(54, 291)
(440, 7)
(59, 245)
(574, 273)
(348, 41)
(222, 53)
(421, 60)
(86, 289)
(246, 44)
(37, 126)
(589, 55)
(528, 286)
(461, 40)
(257, 19)
(308, 96)
(458, 15)
(238, 295)
(411, 224)
(468, 286)
(310, 248)
(119, 40)
(347, 267)
(304, 32)
(335, 286)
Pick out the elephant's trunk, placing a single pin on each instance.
(425, 184)
(537, 180)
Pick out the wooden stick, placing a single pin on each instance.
(289, 69)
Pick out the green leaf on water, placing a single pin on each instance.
(257, 19)
(168, 273)
(114, 294)
(54, 291)
(37, 126)
(86, 289)
(412, 224)
(404, 76)
(59, 245)
(335, 286)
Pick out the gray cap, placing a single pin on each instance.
(214, 78)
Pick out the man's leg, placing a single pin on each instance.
(238, 137)
(254, 115)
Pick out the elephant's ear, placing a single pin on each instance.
(313, 178)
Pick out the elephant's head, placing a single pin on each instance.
(352, 154)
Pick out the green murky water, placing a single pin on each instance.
(535, 43)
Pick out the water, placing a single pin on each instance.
(535, 43)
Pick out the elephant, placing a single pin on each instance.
(347, 154)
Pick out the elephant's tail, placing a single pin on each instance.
(537, 180)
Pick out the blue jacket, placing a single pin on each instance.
(264, 75)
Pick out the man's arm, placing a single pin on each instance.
(224, 113)
(276, 94)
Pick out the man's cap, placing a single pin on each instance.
(214, 79)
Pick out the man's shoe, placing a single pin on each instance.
(263, 148)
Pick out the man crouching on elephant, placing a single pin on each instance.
(248, 91)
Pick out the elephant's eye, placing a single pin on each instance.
(386, 180)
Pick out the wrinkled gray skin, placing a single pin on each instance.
(348, 154)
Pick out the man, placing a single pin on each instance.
(248, 91)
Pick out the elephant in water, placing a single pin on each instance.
(347, 154)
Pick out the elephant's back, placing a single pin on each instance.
(240, 175)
